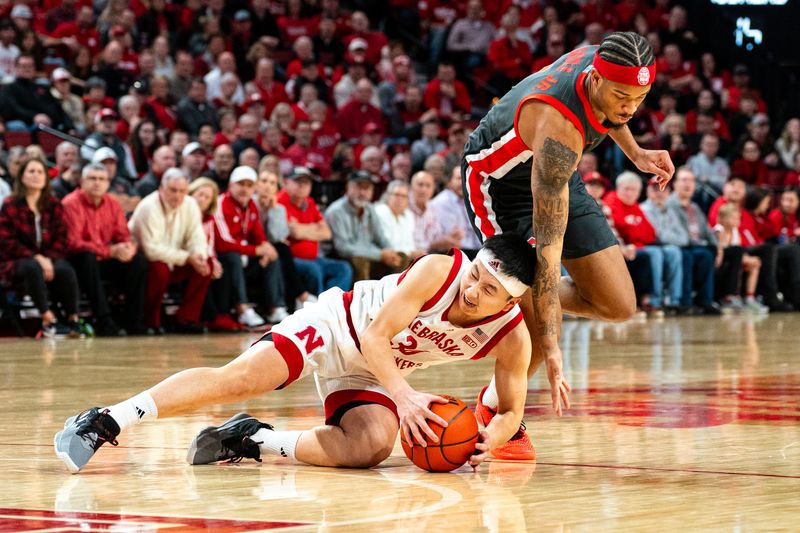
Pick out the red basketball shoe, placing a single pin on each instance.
(518, 448)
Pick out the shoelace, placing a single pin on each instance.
(92, 425)
(239, 455)
(520, 432)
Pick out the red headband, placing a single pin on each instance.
(637, 76)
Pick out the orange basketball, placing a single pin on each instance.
(456, 442)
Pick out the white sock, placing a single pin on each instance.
(281, 443)
(490, 396)
(134, 410)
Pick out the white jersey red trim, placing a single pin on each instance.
(430, 338)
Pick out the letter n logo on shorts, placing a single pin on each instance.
(309, 335)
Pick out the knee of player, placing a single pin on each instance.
(622, 307)
(370, 449)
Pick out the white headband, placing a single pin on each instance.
(514, 286)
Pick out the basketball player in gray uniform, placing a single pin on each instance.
(519, 175)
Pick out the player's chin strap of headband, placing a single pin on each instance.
(637, 76)
(495, 267)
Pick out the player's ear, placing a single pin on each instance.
(511, 303)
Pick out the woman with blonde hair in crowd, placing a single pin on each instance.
(216, 308)
(788, 145)
(282, 117)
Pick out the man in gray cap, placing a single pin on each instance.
(357, 233)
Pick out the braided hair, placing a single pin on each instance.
(627, 49)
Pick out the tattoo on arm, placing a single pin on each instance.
(554, 164)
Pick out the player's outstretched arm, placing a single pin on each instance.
(555, 143)
(419, 285)
(511, 378)
(655, 162)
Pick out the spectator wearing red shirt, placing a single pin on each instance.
(295, 23)
(601, 11)
(244, 251)
(749, 165)
(510, 57)
(307, 227)
(308, 94)
(666, 262)
(792, 178)
(740, 86)
(303, 49)
(413, 113)
(784, 218)
(447, 95)
(706, 104)
(102, 251)
(714, 78)
(302, 153)
(355, 114)
(81, 31)
(374, 40)
(779, 260)
(272, 91)
(555, 48)
(160, 104)
(326, 136)
(678, 74)
(732, 192)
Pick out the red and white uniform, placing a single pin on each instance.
(323, 338)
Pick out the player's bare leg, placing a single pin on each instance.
(598, 286)
(364, 437)
(259, 369)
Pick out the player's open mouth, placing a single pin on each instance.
(624, 118)
(467, 302)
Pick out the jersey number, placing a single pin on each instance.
(313, 341)
(408, 347)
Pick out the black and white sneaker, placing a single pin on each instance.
(229, 442)
(83, 435)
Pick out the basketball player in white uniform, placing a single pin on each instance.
(359, 346)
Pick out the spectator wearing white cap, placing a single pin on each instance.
(168, 228)
(119, 187)
(70, 102)
(105, 134)
(193, 160)
(21, 15)
(245, 253)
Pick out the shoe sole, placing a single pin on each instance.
(195, 444)
(64, 456)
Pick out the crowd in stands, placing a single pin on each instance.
(251, 154)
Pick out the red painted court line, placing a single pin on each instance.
(13, 519)
(680, 470)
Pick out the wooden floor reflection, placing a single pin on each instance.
(682, 424)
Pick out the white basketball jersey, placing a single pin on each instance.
(430, 339)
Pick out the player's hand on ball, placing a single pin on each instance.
(481, 449)
(412, 408)
(559, 388)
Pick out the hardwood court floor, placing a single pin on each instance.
(683, 424)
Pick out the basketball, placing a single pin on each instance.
(456, 441)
